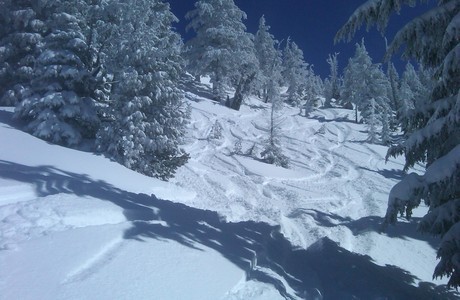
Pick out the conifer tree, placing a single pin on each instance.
(333, 62)
(432, 40)
(148, 115)
(294, 71)
(313, 88)
(267, 53)
(221, 48)
(21, 34)
(59, 105)
(366, 86)
(272, 152)
(393, 79)
(355, 79)
(371, 121)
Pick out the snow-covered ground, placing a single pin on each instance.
(75, 225)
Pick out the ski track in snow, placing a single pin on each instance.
(335, 180)
(93, 264)
(328, 181)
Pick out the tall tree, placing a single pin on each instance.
(147, 113)
(377, 111)
(355, 79)
(313, 87)
(366, 86)
(294, 71)
(268, 55)
(432, 39)
(393, 78)
(333, 62)
(412, 95)
(221, 48)
(59, 104)
(21, 33)
(272, 152)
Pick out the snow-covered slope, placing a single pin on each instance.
(74, 225)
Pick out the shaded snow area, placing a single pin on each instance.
(75, 225)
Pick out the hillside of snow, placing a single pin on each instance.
(75, 225)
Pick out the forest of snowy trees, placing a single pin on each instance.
(109, 73)
(428, 110)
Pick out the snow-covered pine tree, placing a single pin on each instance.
(272, 152)
(333, 62)
(366, 86)
(21, 32)
(148, 114)
(393, 78)
(59, 106)
(294, 71)
(356, 75)
(313, 87)
(371, 121)
(100, 29)
(268, 55)
(409, 92)
(327, 92)
(387, 120)
(221, 48)
(393, 95)
(376, 113)
(433, 40)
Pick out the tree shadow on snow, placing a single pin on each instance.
(257, 248)
(323, 119)
(403, 230)
(388, 173)
(197, 89)
(6, 118)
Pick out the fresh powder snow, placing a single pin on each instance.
(76, 225)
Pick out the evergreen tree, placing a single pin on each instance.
(333, 62)
(414, 98)
(406, 110)
(327, 93)
(377, 113)
(393, 95)
(386, 124)
(393, 78)
(267, 54)
(366, 86)
(313, 87)
(21, 33)
(148, 115)
(221, 48)
(272, 152)
(431, 39)
(59, 105)
(371, 121)
(410, 91)
(356, 77)
(294, 71)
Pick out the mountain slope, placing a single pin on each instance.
(74, 225)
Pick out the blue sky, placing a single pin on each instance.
(312, 24)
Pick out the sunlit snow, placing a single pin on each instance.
(75, 225)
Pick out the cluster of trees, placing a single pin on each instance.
(429, 113)
(381, 100)
(239, 61)
(105, 70)
(109, 71)
(247, 64)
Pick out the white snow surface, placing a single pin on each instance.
(75, 225)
